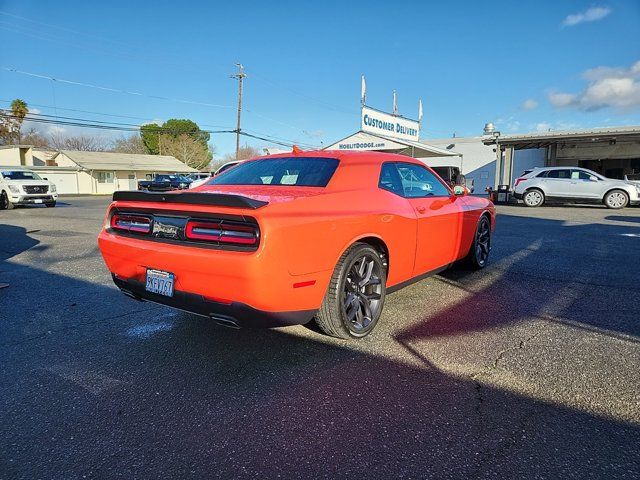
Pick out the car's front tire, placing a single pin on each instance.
(481, 246)
(616, 199)
(533, 198)
(5, 203)
(353, 303)
(50, 204)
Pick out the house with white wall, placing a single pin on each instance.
(78, 172)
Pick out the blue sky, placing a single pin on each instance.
(523, 65)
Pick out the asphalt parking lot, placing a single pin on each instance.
(528, 369)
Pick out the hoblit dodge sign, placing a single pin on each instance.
(389, 125)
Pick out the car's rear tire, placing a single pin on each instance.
(533, 197)
(616, 199)
(353, 303)
(5, 203)
(481, 246)
(50, 204)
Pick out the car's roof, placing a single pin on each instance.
(347, 156)
(561, 167)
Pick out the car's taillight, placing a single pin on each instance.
(519, 180)
(130, 223)
(226, 233)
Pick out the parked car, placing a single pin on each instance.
(284, 239)
(199, 179)
(227, 166)
(199, 176)
(453, 176)
(164, 183)
(573, 185)
(222, 168)
(633, 178)
(24, 187)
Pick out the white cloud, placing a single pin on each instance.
(616, 88)
(529, 104)
(560, 100)
(592, 14)
(35, 111)
(543, 127)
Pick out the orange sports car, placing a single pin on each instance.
(290, 238)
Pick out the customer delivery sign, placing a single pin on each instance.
(393, 126)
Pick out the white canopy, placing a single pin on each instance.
(380, 143)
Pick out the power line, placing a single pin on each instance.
(132, 117)
(140, 94)
(125, 127)
(110, 89)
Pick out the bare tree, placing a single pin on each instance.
(35, 138)
(132, 144)
(247, 151)
(186, 149)
(80, 142)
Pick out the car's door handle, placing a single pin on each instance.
(421, 209)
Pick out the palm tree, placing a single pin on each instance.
(19, 111)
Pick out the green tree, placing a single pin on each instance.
(149, 134)
(174, 127)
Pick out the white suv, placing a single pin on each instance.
(573, 185)
(24, 187)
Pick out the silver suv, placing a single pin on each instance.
(573, 185)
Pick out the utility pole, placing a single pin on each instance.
(239, 76)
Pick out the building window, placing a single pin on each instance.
(105, 177)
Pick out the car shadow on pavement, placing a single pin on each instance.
(623, 218)
(98, 385)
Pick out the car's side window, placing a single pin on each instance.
(390, 179)
(419, 182)
(580, 175)
(561, 174)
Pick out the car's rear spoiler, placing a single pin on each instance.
(191, 198)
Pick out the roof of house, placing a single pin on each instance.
(576, 134)
(126, 161)
(4, 147)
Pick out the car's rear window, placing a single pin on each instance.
(289, 171)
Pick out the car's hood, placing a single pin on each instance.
(33, 183)
(264, 193)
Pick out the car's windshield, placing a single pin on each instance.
(289, 171)
(20, 175)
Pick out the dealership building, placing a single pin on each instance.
(492, 159)
(79, 172)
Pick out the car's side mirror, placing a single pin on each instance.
(593, 178)
(459, 191)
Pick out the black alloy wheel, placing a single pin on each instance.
(362, 293)
(481, 246)
(354, 300)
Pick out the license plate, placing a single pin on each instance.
(160, 282)
(37, 200)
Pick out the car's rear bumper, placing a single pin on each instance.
(259, 280)
(233, 314)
